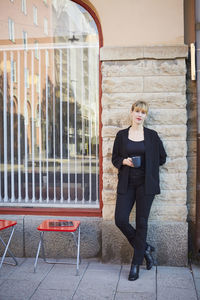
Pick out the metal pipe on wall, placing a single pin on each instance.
(197, 12)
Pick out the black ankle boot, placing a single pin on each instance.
(134, 272)
(148, 257)
(150, 248)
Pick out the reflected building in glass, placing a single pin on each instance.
(49, 105)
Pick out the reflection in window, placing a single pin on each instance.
(24, 6)
(25, 39)
(49, 154)
(11, 30)
(37, 83)
(36, 50)
(27, 78)
(14, 72)
(35, 15)
(45, 26)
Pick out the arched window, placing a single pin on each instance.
(56, 84)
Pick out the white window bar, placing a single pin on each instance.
(83, 125)
(19, 127)
(12, 129)
(61, 130)
(47, 125)
(5, 129)
(25, 127)
(54, 134)
(97, 125)
(90, 123)
(68, 141)
(40, 135)
(33, 133)
(1, 164)
(75, 127)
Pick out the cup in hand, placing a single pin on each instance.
(136, 160)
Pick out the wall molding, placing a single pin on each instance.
(145, 52)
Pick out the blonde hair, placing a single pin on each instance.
(142, 105)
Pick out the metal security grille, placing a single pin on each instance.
(49, 125)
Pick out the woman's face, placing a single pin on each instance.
(138, 116)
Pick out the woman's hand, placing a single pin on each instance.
(128, 162)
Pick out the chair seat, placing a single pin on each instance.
(59, 225)
(6, 224)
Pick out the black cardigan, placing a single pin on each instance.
(155, 156)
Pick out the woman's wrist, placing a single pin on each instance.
(127, 162)
(124, 161)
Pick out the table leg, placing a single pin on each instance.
(38, 251)
(9, 251)
(6, 249)
(78, 252)
(42, 245)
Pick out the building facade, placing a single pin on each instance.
(70, 71)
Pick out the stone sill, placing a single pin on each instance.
(145, 52)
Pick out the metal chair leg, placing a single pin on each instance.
(42, 245)
(78, 252)
(9, 251)
(6, 249)
(38, 251)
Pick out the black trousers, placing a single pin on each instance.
(124, 205)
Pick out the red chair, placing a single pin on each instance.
(4, 224)
(60, 226)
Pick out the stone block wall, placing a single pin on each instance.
(191, 94)
(26, 237)
(158, 76)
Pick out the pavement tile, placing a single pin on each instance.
(196, 271)
(146, 283)
(6, 269)
(197, 283)
(51, 294)
(170, 277)
(26, 271)
(89, 296)
(63, 277)
(198, 293)
(173, 293)
(1, 281)
(103, 267)
(98, 284)
(96, 281)
(135, 296)
(174, 270)
(20, 260)
(17, 289)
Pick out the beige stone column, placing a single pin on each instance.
(157, 75)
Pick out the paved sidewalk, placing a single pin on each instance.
(96, 281)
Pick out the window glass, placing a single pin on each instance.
(25, 39)
(24, 6)
(11, 30)
(49, 106)
(35, 17)
(46, 26)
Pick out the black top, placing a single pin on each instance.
(155, 155)
(136, 149)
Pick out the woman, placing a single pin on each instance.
(137, 154)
